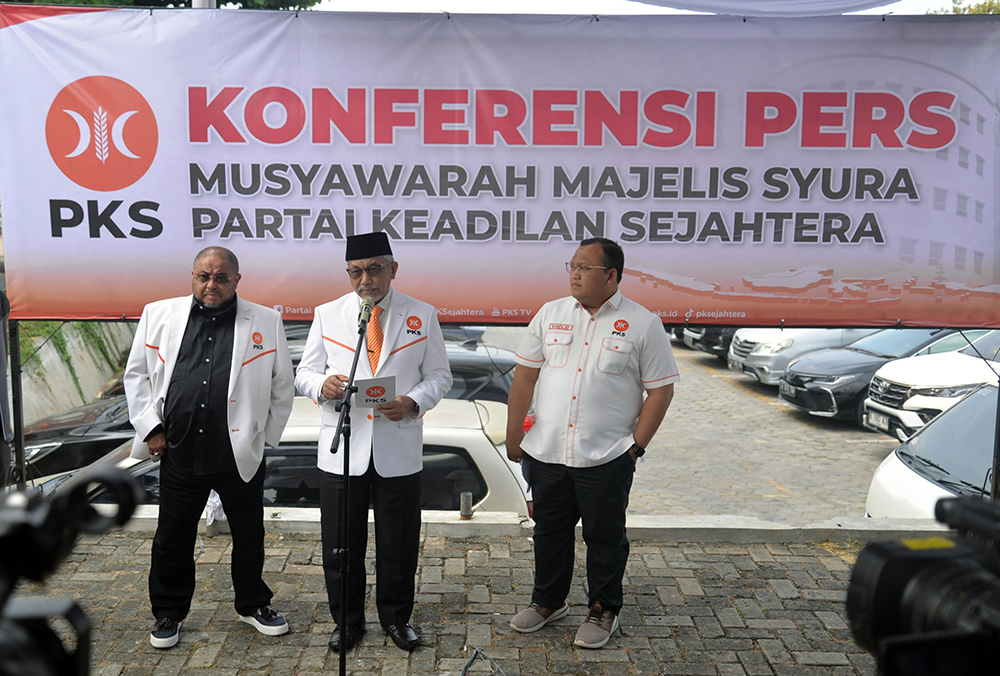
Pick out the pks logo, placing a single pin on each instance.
(101, 133)
(413, 325)
(375, 391)
(257, 340)
(621, 326)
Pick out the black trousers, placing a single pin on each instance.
(182, 499)
(396, 503)
(562, 497)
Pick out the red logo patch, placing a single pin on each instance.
(621, 325)
(101, 133)
(257, 338)
(413, 323)
(375, 392)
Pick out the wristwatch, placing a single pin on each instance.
(416, 409)
(638, 450)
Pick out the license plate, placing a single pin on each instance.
(785, 388)
(879, 420)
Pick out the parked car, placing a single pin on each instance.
(712, 339)
(464, 451)
(951, 456)
(906, 394)
(833, 382)
(81, 435)
(765, 353)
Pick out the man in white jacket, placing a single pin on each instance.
(404, 341)
(209, 382)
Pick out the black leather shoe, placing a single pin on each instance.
(402, 635)
(353, 634)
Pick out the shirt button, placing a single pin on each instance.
(571, 424)
(574, 398)
(586, 343)
(210, 337)
(208, 360)
(204, 382)
(201, 431)
(203, 405)
(579, 370)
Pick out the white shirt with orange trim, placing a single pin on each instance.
(595, 370)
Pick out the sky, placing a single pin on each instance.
(568, 6)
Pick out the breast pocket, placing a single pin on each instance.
(557, 345)
(614, 356)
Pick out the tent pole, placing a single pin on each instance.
(16, 401)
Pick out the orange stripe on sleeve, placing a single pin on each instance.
(647, 382)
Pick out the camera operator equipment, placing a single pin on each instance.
(36, 535)
(931, 606)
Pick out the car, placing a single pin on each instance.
(951, 456)
(711, 339)
(906, 394)
(764, 354)
(81, 435)
(833, 382)
(464, 451)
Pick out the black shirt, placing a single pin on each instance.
(196, 409)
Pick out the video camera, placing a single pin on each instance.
(36, 535)
(931, 606)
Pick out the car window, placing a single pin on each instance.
(953, 342)
(895, 343)
(959, 442)
(987, 346)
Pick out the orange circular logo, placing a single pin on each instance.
(101, 133)
(621, 325)
(257, 338)
(375, 392)
(413, 323)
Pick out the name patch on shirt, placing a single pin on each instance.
(560, 327)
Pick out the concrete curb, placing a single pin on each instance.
(641, 528)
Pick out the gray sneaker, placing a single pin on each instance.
(597, 629)
(530, 620)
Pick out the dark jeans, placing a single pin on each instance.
(182, 499)
(396, 502)
(562, 496)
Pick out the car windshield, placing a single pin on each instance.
(988, 346)
(894, 343)
(956, 450)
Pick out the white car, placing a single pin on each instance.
(766, 353)
(464, 451)
(952, 456)
(906, 394)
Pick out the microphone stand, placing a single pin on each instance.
(344, 428)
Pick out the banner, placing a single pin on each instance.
(806, 172)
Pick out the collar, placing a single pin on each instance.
(613, 303)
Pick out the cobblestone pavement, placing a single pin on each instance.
(689, 609)
(730, 445)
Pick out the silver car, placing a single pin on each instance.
(765, 353)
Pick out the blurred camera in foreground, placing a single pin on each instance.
(931, 606)
(36, 535)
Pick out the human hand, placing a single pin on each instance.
(333, 387)
(398, 409)
(157, 445)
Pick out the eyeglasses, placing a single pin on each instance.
(220, 279)
(373, 270)
(583, 268)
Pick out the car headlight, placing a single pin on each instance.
(34, 451)
(830, 381)
(958, 391)
(773, 348)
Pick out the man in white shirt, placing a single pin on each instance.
(404, 341)
(604, 372)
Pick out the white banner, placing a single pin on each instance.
(836, 171)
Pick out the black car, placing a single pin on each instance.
(81, 435)
(711, 339)
(833, 383)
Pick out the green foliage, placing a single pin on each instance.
(958, 7)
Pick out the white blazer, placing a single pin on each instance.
(412, 350)
(260, 377)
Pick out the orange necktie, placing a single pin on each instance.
(374, 338)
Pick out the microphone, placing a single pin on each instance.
(367, 305)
